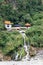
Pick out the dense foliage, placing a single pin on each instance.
(10, 41)
(35, 35)
(1, 23)
(21, 12)
(25, 11)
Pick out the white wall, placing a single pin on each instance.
(8, 28)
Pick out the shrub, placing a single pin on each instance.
(10, 41)
(22, 52)
(35, 35)
(1, 23)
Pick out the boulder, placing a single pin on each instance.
(7, 58)
(32, 51)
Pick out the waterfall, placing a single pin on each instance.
(16, 57)
(27, 57)
(26, 48)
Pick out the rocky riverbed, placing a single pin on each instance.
(32, 62)
(39, 54)
(36, 60)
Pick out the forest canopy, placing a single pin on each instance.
(21, 11)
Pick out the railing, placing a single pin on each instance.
(20, 27)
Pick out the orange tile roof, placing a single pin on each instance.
(27, 24)
(7, 22)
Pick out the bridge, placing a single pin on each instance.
(19, 28)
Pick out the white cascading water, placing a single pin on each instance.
(16, 57)
(25, 47)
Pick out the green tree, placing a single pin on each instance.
(27, 18)
(1, 23)
(1, 1)
(35, 35)
(10, 41)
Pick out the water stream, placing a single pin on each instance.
(39, 55)
(16, 57)
(26, 47)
